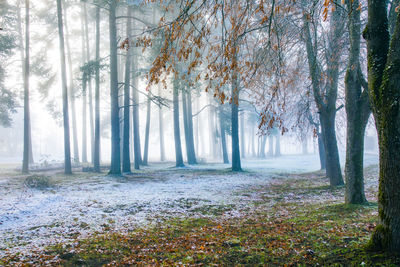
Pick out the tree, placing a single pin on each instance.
(384, 91)
(115, 168)
(96, 150)
(71, 88)
(126, 161)
(325, 94)
(67, 151)
(25, 162)
(177, 135)
(357, 110)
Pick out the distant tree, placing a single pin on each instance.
(67, 151)
(25, 161)
(96, 150)
(115, 168)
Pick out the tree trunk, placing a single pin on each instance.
(223, 137)
(89, 81)
(188, 125)
(383, 84)
(126, 160)
(147, 132)
(84, 122)
(242, 143)
(304, 146)
(71, 93)
(278, 145)
(96, 150)
(67, 151)
(25, 161)
(321, 151)
(177, 135)
(236, 165)
(161, 128)
(357, 110)
(115, 138)
(136, 130)
(270, 146)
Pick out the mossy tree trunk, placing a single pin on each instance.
(384, 92)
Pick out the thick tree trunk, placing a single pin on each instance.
(161, 128)
(384, 91)
(25, 161)
(115, 135)
(147, 131)
(67, 151)
(177, 135)
(71, 92)
(136, 130)
(96, 150)
(357, 110)
(223, 137)
(126, 160)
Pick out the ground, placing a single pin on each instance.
(278, 211)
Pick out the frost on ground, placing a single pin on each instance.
(75, 206)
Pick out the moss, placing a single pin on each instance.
(380, 239)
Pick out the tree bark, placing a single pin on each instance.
(147, 131)
(71, 93)
(223, 137)
(25, 161)
(126, 160)
(242, 143)
(321, 151)
(384, 92)
(84, 122)
(188, 125)
(177, 135)
(96, 150)
(357, 110)
(236, 164)
(270, 146)
(161, 128)
(115, 168)
(67, 151)
(89, 81)
(136, 130)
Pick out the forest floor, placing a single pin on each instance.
(278, 211)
